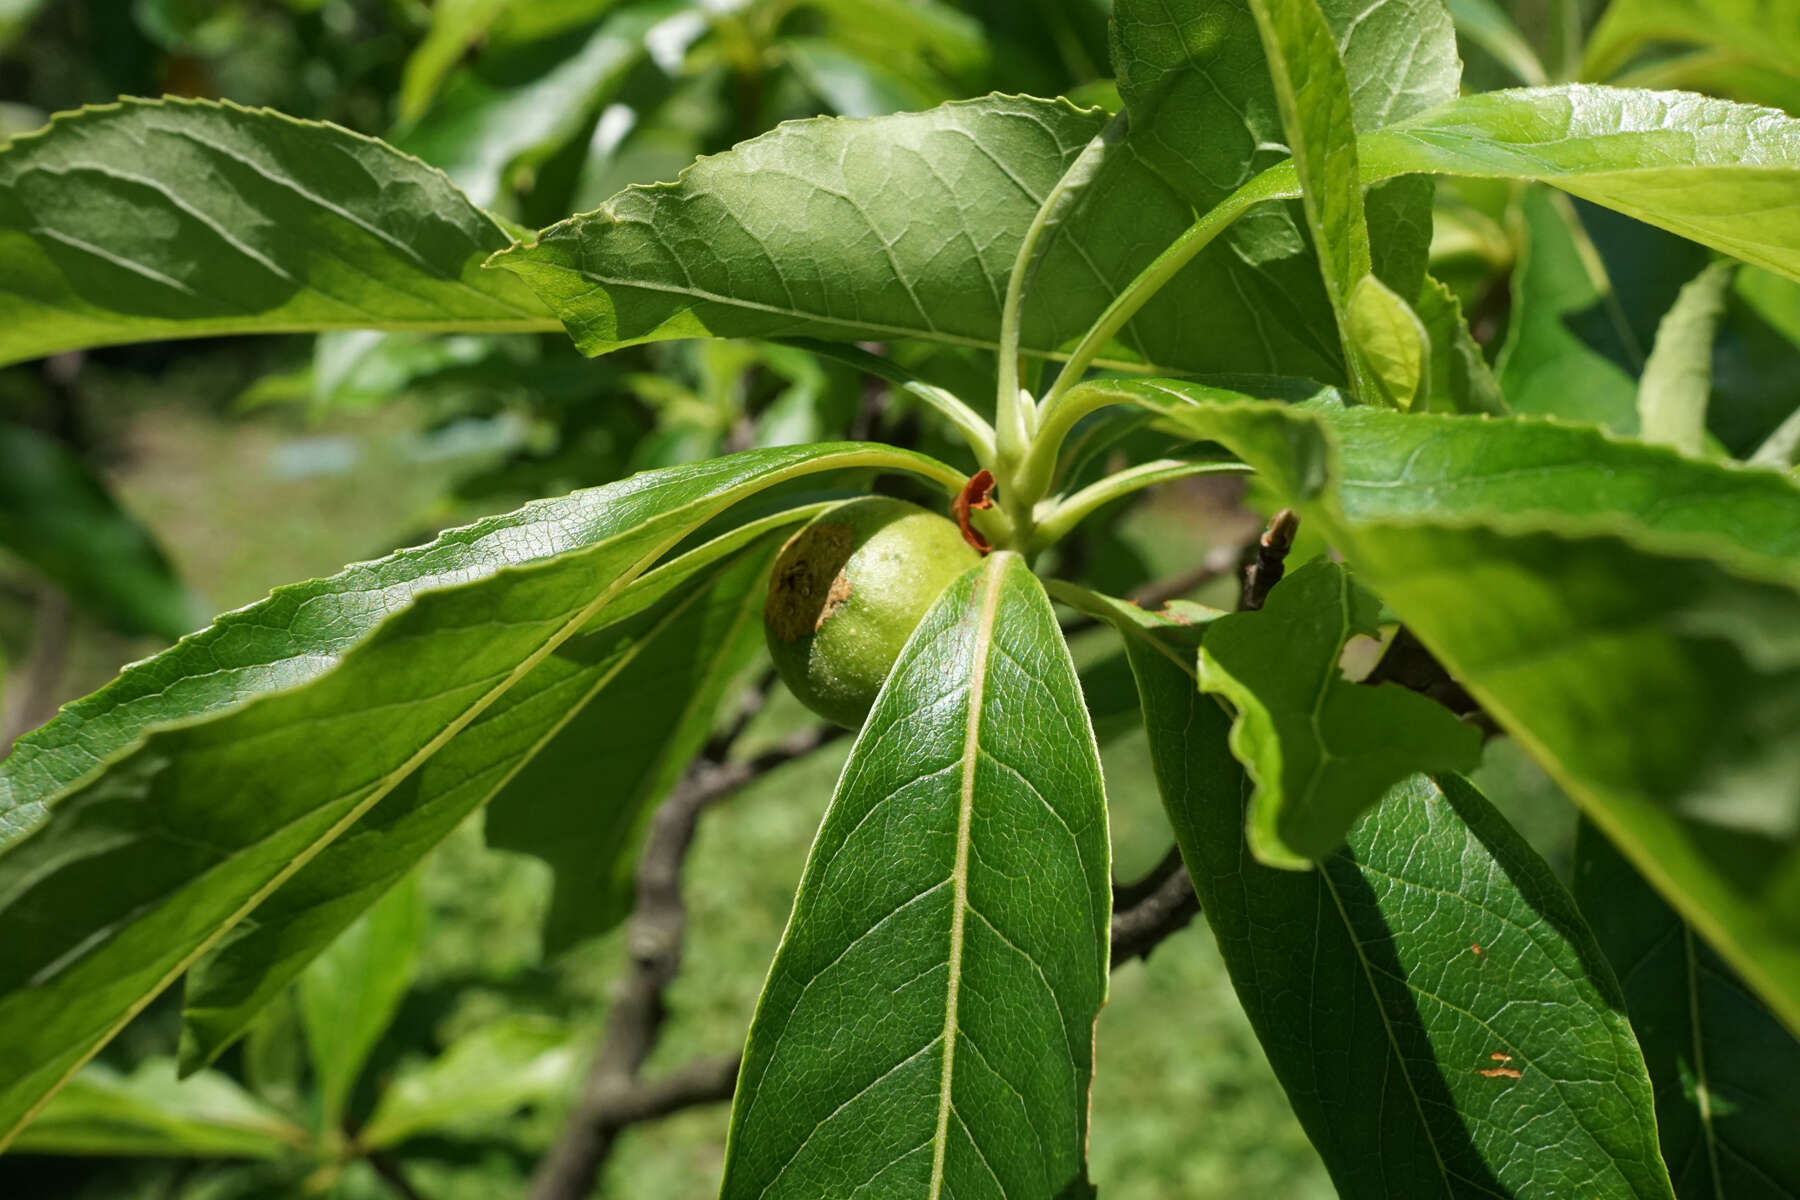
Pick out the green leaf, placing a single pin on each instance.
(1313, 95)
(229, 986)
(1486, 24)
(925, 1029)
(148, 1113)
(1205, 116)
(456, 25)
(1745, 34)
(545, 714)
(352, 990)
(906, 227)
(57, 515)
(579, 803)
(1391, 343)
(1677, 381)
(484, 1075)
(1722, 174)
(1321, 749)
(1629, 615)
(1722, 1065)
(828, 228)
(521, 105)
(1569, 351)
(1434, 947)
(1460, 378)
(128, 846)
(146, 220)
(892, 227)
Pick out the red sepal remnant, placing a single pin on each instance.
(976, 494)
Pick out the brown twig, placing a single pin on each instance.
(1408, 663)
(1270, 563)
(1146, 912)
(612, 1096)
(1216, 564)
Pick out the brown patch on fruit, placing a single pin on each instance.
(834, 599)
(809, 584)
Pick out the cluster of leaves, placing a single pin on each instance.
(304, 1063)
(1234, 268)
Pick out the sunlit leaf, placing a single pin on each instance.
(1441, 1019)
(1321, 749)
(927, 1027)
(128, 846)
(1631, 616)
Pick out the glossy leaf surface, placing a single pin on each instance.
(139, 846)
(542, 715)
(907, 226)
(1320, 748)
(1723, 174)
(1205, 114)
(180, 218)
(1441, 1019)
(927, 1026)
(827, 228)
(578, 802)
(1722, 1065)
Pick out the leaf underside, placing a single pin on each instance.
(145, 220)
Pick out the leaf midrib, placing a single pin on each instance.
(1702, 1084)
(959, 871)
(625, 659)
(1387, 1025)
(713, 504)
(608, 283)
(379, 789)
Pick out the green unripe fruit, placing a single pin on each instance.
(846, 593)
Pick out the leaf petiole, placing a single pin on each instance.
(1015, 413)
(972, 425)
(1064, 514)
